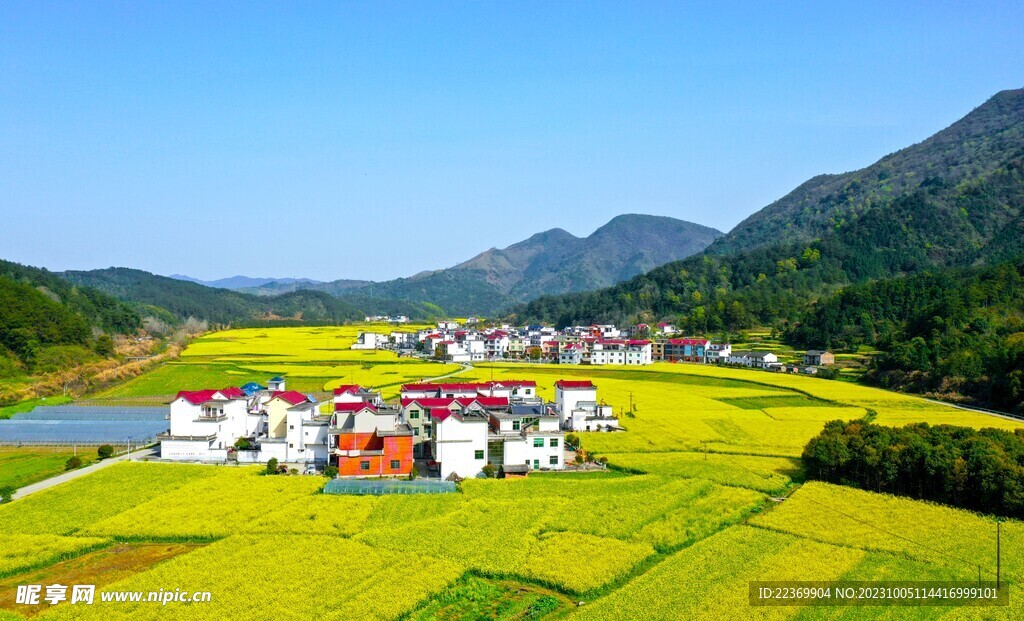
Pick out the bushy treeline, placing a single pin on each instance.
(978, 470)
(957, 333)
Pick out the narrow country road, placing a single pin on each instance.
(465, 367)
(74, 474)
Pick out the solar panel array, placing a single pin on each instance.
(85, 425)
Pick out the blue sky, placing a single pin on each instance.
(375, 140)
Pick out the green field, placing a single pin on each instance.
(705, 493)
(21, 466)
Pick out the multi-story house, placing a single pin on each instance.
(366, 440)
(817, 358)
(718, 353)
(578, 409)
(686, 350)
(571, 354)
(204, 424)
(616, 351)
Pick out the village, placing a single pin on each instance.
(450, 431)
(596, 345)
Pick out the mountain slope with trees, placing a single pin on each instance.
(961, 211)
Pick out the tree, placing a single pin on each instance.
(6, 494)
(105, 451)
(73, 462)
(104, 346)
(330, 471)
(243, 444)
(414, 473)
(272, 466)
(488, 471)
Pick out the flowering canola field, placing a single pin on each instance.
(676, 530)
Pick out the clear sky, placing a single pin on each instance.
(378, 139)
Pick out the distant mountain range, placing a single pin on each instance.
(554, 261)
(246, 282)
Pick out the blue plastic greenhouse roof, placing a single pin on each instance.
(382, 487)
(78, 431)
(69, 424)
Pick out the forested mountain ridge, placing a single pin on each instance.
(183, 299)
(967, 214)
(45, 320)
(970, 149)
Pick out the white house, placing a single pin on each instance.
(615, 351)
(718, 353)
(754, 359)
(205, 424)
(458, 442)
(571, 354)
(369, 340)
(578, 408)
(526, 435)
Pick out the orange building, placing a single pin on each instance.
(380, 453)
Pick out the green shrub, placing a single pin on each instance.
(73, 462)
(105, 451)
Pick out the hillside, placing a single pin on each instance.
(184, 299)
(47, 322)
(970, 151)
(911, 211)
(553, 261)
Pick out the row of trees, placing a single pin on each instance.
(979, 470)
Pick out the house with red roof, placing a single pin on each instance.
(619, 351)
(579, 409)
(204, 424)
(686, 350)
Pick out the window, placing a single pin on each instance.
(414, 414)
(538, 442)
(478, 454)
(554, 443)
(395, 464)
(416, 431)
(515, 425)
(553, 460)
(536, 464)
(290, 445)
(291, 426)
(364, 465)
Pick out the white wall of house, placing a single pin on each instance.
(567, 399)
(460, 446)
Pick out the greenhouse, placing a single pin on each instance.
(66, 424)
(382, 487)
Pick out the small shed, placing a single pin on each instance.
(513, 471)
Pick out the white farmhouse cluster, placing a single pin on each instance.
(503, 424)
(277, 423)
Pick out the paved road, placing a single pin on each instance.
(465, 367)
(81, 472)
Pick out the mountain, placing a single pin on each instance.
(183, 299)
(953, 200)
(971, 151)
(550, 262)
(46, 321)
(246, 282)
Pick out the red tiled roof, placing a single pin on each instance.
(198, 397)
(347, 389)
(570, 384)
(512, 383)
(354, 407)
(461, 387)
(291, 396)
(428, 402)
(688, 341)
(439, 414)
(420, 387)
(640, 343)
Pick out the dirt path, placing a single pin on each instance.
(465, 367)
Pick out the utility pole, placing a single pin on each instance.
(999, 529)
